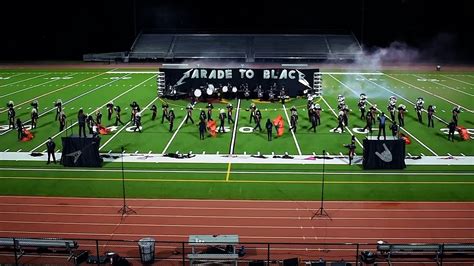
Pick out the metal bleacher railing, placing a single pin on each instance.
(16, 251)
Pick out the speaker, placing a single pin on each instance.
(291, 262)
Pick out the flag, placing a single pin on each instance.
(405, 138)
(103, 130)
(463, 132)
(211, 126)
(279, 125)
(27, 135)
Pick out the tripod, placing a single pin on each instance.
(321, 212)
(125, 210)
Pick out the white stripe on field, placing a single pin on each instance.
(446, 86)
(118, 96)
(411, 135)
(174, 135)
(125, 126)
(413, 86)
(292, 131)
(23, 80)
(234, 130)
(28, 88)
(446, 76)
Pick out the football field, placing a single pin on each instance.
(92, 89)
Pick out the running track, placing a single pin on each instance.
(253, 221)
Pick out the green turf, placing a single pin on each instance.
(93, 88)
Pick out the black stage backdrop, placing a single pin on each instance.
(81, 152)
(294, 80)
(384, 154)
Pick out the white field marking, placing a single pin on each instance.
(411, 135)
(231, 217)
(400, 96)
(422, 154)
(446, 86)
(44, 151)
(462, 154)
(28, 88)
(110, 151)
(132, 72)
(447, 76)
(449, 154)
(340, 153)
(186, 236)
(23, 80)
(292, 132)
(447, 100)
(102, 106)
(387, 228)
(56, 90)
(217, 153)
(18, 150)
(174, 135)
(314, 154)
(350, 131)
(352, 73)
(125, 126)
(409, 154)
(6, 150)
(281, 172)
(274, 201)
(204, 152)
(68, 101)
(245, 153)
(234, 129)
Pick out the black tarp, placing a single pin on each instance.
(384, 154)
(81, 152)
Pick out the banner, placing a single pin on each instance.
(295, 81)
(384, 154)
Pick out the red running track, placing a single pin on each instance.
(254, 221)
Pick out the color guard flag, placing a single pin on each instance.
(211, 126)
(279, 125)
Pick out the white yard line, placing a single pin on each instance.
(174, 135)
(56, 90)
(102, 106)
(292, 132)
(411, 135)
(28, 88)
(234, 130)
(430, 93)
(68, 101)
(458, 80)
(446, 86)
(347, 128)
(23, 80)
(125, 126)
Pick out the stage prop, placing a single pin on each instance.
(237, 82)
(384, 154)
(81, 152)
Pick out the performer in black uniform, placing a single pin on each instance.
(452, 129)
(110, 110)
(189, 113)
(62, 121)
(117, 116)
(19, 127)
(138, 123)
(50, 147)
(164, 115)
(222, 117)
(431, 111)
(269, 127)
(202, 128)
(209, 111)
(258, 119)
(81, 119)
(171, 119)
(154, 110)
(230, 109)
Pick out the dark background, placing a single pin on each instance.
(66, 30)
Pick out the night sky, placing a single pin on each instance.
(39, 31)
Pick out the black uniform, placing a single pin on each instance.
(419, 109)
(230, 109)
(90, 124)
(312, 119)
(62, 121)
(394, 128)
(362, 105)
(34, 118)
(382, 120)
(456, 112)
(98, 117)
(154, 110)
(452, 129)
(340, 120)
(431, 112)
(19, 126)
(110, 110)
(391, 109)
(252, 113)
(81, 119)
(171, 118)
(258, 119)
(202, 116)
(138, 123)
(293, 120)
(59, 108)
(117, 116)
(50, 147)
(189, 114)
(164, 114)
(269, 127)
(352, 147)
(209, 111)
(346, 116)
(202, 129)
(222, 117)
(11, 117)
(318, 116)
(401, 116)
(368, 122)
